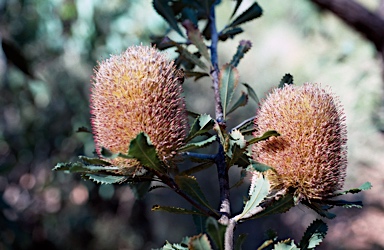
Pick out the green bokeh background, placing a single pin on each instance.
(63, 40)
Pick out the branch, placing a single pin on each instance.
(367, 23)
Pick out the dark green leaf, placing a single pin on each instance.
(83, 130)
(78, 167)
(264, 137)
(199, 242)
(314, 235)
(195, 74)
(243, 174)
(251, 93)
(243, 47)
(200, 222)
(228, 81)
(106, 179)
(94, 161)
(242, 101)
(363, 187)
(142, 149)
(286, 245)
(281, 205)
(204, 165)
(191, 187)
(230, 33)
(287, 79)
(162, 7)
(175, 210)
(201, 125)
(199, 144)
(343, 203)
(216, 231)
(238, 2)
(260, 167)
(319, 209)
(251, 13)
(140, 189)
(186, 54)
(239, 241)
(193, 114)
(258, 193)
(196, 38)
(106, 153)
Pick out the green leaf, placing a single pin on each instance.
(191, 187)
(254, 11)
(363, 187)
(343, 203)
(257, 195)
(106, 153)
(238, 3)
(94, 161)
(314, 235)
(186, 54)
(78, 167)
(83, 130)
(239, 241)
(204, 165)
(242, 101)
(286, 245)
(162, 7)
(264, 137)
(175, 210)
(201, 125)
(199, 242)
(196, 38)
(142, 149)
(216, 231)
(106, 179)
(287, 79)
(230, 32)
(237, 147)
(251, 93)
(228, 81)
(175, 246)
(140, 189)
(199, 144)
(200, 222)
(197, 75)
(260, 167)
(243, 47)
(318, 208)
(279, 206)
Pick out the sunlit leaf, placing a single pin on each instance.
(314, 235)
(254, 11)
(286, 245)
(228, 81)
(199, 242)
(78, 167)
(106, 179)
(201, 125)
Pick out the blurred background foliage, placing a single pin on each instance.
(49, 51)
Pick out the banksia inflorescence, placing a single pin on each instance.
(310, 155)
(138, 91)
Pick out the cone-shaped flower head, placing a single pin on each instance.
(138, 91)
(310, 155)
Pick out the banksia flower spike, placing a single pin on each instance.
(310, 155)
(138, 91)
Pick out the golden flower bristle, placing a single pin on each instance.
(138, 91)
(310, 155)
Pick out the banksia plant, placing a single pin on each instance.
(310, 154)
(138, 91)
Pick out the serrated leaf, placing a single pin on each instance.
(197, 75)
(184, 53)
(199, 242)
(237, 147)
(243, 47)
(254, 11)
(94, 161)
(281, 205)
(363, 187)
(140, 189)
(241, 102)
(191, 187)
(314, 235)
(106, 179)
(257, 195)
(228, 81)
(78, 167)
(238, 3)
(319, 209)
(251, 93)
(345, 204)
(204, 165)
(264, 137)
(142, 149)
(239, 241)
(196, 38)
(175, 246)
(230, 32)
(287, 79)
(260, 167)
(201, 125)
(199, 144)
(164, 10)
(216, 231)
(175, 210)
(286, 245)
